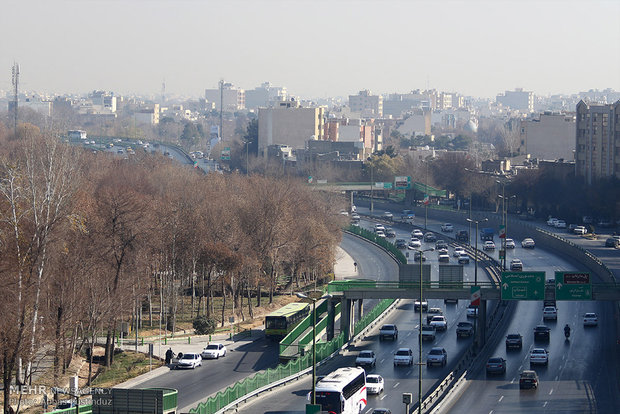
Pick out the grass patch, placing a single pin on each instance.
(126, 365)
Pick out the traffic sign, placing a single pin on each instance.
(573, 286)
(523, 285)
(475, 295)
(402, 183)
(502, 253)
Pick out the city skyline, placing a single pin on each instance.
(315, 49)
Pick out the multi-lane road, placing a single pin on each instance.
(580, 376)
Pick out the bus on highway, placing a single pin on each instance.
(280, 323)
(343, 391)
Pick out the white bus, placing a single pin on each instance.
(343, 391)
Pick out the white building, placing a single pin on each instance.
(232, 98)
(549, 136)
(518, 99)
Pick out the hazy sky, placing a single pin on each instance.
(315, 48)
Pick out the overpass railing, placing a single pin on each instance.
(344, 285)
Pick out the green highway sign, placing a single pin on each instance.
(523, 286)
(573, 286)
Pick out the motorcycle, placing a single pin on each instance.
(567, 334)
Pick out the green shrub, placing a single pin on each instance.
(203, 325)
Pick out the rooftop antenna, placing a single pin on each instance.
(163, 91)
(15, 82)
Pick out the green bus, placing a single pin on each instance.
(280, 323)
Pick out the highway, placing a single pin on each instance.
(215, 375)
(576, 380)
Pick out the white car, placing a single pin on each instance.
(580, 230)
(463, 259)
(510, 244)
(528, 243)
(417, 233)
(560, 224)
(472, 311)
(550, 312)
(458, 251)
(379, 227)
(488, 245)
(539, 356)
(374, 384)
(551, 222)
(443, 257)
(189, 360)
(414, 243)
(213, 351)
(387, 215)
(516, 264)
(447, 227)
(381, 234)
(404, 356)
(590, 319)
(366, 358)
(439, 323)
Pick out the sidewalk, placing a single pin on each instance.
(344, 268)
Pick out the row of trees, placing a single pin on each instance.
(88, 240)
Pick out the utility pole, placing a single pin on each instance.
(221, 109)
(15, 81)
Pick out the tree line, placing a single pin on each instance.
(88, 240)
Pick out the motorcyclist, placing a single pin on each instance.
(566, 330)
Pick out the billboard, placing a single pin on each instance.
(402, 183)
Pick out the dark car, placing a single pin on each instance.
(462, 235)
(612, 242)
(464, 329)
(514, 341)
(528, 379)
(541, 332)
(441, 244)
(381, 411)
(401, 243)
(496, 365)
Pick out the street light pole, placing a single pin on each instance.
(421, 252)
(304, 296)
(476, 222)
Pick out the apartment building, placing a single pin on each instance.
(289, 124)
(518, 99)
(367, 104)
(231, 97)
(597, 141)
(264, 95)
(548, 136)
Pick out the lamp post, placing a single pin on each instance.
(421, 252)
(476, 222)
(372, 184)
(304, 296)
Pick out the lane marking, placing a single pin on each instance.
(500, 398)
(556, 377)
(396, 385)
(551, 391)
(545, 404)
(383, 396)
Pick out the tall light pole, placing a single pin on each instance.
(421, 252)
(476, 222)
(304, 296)
(372, 184)
(503, 236)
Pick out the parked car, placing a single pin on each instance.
(510, 244)
(430, 237)
(404, 356)
(428, 333)
(374, 384)
(528, 243)
(366, 358)
(213, 351)
(401, 243)
(550, 312)
(496, 365)
(437, 356)
(514, 340)
(189, 360)
(388, 331)
(541, 332)
(447, 227)
(528, 379)
(439, 322)
(464, 329)
(488, 245)
(463, 259)
(516, 264)
(590, 319)
(539, 356)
